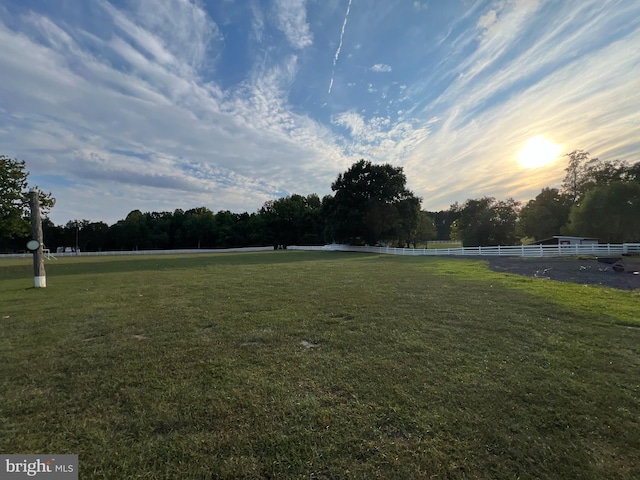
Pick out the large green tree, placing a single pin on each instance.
(226, 229)
(576, 178)
(545, 215)
(132, 233)
(485, 221)
(94, 236)
(425, 230)
(199, 227)
(371, 204)
(293, 220)
(14, 200)
(584, 173)
(443, 221)
(609, 212)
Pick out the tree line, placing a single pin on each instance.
(370, 205)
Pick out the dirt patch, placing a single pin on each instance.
(574, 270)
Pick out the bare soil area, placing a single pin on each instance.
(575, 270)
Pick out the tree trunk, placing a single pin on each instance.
(39, 275)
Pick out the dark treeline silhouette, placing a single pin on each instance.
(194, 228)
(205, 229)
(370, 205)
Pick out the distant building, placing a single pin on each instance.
(67, 249)
(566, 240)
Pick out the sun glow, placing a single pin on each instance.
(538, 152)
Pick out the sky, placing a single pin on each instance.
(157, 105)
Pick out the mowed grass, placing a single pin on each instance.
(318, 365)
(436, 244)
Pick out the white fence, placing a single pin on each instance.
(600, 250)
(141, 252)
(513, 251)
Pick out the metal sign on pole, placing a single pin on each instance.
(36, 243)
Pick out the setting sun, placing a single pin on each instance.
(538, 152)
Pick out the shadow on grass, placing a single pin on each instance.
(121, 264)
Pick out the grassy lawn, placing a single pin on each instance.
(318, 365)
(436, 244)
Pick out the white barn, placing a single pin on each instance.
(566, 240)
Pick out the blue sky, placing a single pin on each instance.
(164, 104)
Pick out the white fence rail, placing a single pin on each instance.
(142, 252)
(513, 251)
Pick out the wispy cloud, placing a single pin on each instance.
(381, 67)
(257, 20)
(178, 133)
(573, 104)
(464, 143)
(178, 33)
(181, 103)
(337, 54)
(378, 138)
(291, 19)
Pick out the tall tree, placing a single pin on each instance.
(293, 220)
(199, 227)
(443, 220)
(14, 200)
(425, 229)
(94, 237)
(72, 233)
(545, 215)
(576, 174)
(226, 230)
(371, 203)
(486, 221)
(610, 213)
(584, 173)
(409, 212)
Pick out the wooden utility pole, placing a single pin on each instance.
(39, 275)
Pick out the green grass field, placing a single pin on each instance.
(436, 244)
(318, 365)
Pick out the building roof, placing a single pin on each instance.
(557, 238)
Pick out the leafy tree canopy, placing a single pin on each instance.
(610, 213)
(545, 215)
(425, 230)
(584, 173)
(485, 221)
(14, 200)
(372, 204)
(293, 220)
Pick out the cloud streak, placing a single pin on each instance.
(337, 54)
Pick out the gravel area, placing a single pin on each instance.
(574, 270)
